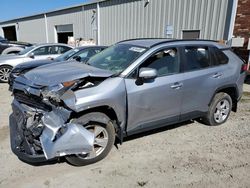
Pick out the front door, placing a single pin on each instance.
(156, 102)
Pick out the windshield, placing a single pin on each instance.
(26, 50)
(67, 55)
(116, 58)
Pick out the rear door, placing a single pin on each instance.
(200, 80)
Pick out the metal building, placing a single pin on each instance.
(109, 21)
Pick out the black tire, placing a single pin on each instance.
(100, 120)
(4, 73)
(218, 99)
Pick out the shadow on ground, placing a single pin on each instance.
(126, 139)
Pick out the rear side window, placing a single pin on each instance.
(196, 58)
(218, 57)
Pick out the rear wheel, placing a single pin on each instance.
(104, 138)
(4, 73)
(219, 110)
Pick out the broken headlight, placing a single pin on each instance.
(54, 92)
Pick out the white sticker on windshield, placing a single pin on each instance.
(137, 49)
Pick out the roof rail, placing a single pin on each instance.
(167, 40)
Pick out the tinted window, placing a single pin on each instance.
(88, 52)
(218, 57)
(196, 58)
(63, 49)
(165, 61)
(67, 55)
(42, 51)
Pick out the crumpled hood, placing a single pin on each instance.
(55, 73)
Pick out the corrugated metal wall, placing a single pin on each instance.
(123, 19)
(31, 29)
(69, 16)
(27, 33)
(82, 18)
(90, 22)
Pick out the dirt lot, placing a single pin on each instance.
(188, 155)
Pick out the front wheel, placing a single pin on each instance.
(219, 110)
(4, 73)
(104, 138)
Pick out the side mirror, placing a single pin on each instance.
(146, 74)
(77, 58)
(32, 55)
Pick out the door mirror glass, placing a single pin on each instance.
(147, 73)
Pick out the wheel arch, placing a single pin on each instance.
(6, 65)
(12, 49)
(110, 113)
(232, 91)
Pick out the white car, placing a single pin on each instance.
(35, 52)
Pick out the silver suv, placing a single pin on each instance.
(78, 110)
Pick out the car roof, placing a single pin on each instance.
(93, 46)
(151, 42)
(51, 44)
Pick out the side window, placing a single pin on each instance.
(196, 58)
(83, 53)
(165, 61)
(53, 49)
(41, 51)
(218, 57)
(63, 49)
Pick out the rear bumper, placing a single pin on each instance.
(16, 138)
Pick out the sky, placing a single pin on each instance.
(10, 9)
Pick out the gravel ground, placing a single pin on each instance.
(186, 155)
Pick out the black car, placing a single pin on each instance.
(8, 47)
(81, 54)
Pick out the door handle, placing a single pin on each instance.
(176, 85)
(217, 75)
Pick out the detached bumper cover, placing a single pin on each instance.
(59, 139)
(52, 136)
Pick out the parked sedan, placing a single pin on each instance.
(81, 54)
(37, 52)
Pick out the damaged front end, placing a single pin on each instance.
(40, 125)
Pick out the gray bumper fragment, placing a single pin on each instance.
(59, 139)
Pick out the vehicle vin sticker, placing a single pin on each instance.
(137, 49)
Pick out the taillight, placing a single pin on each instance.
(244, 68)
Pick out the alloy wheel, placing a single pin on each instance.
(100, 142)
(221, 111)
(4, 74)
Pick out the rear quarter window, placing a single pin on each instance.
(218, 57)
